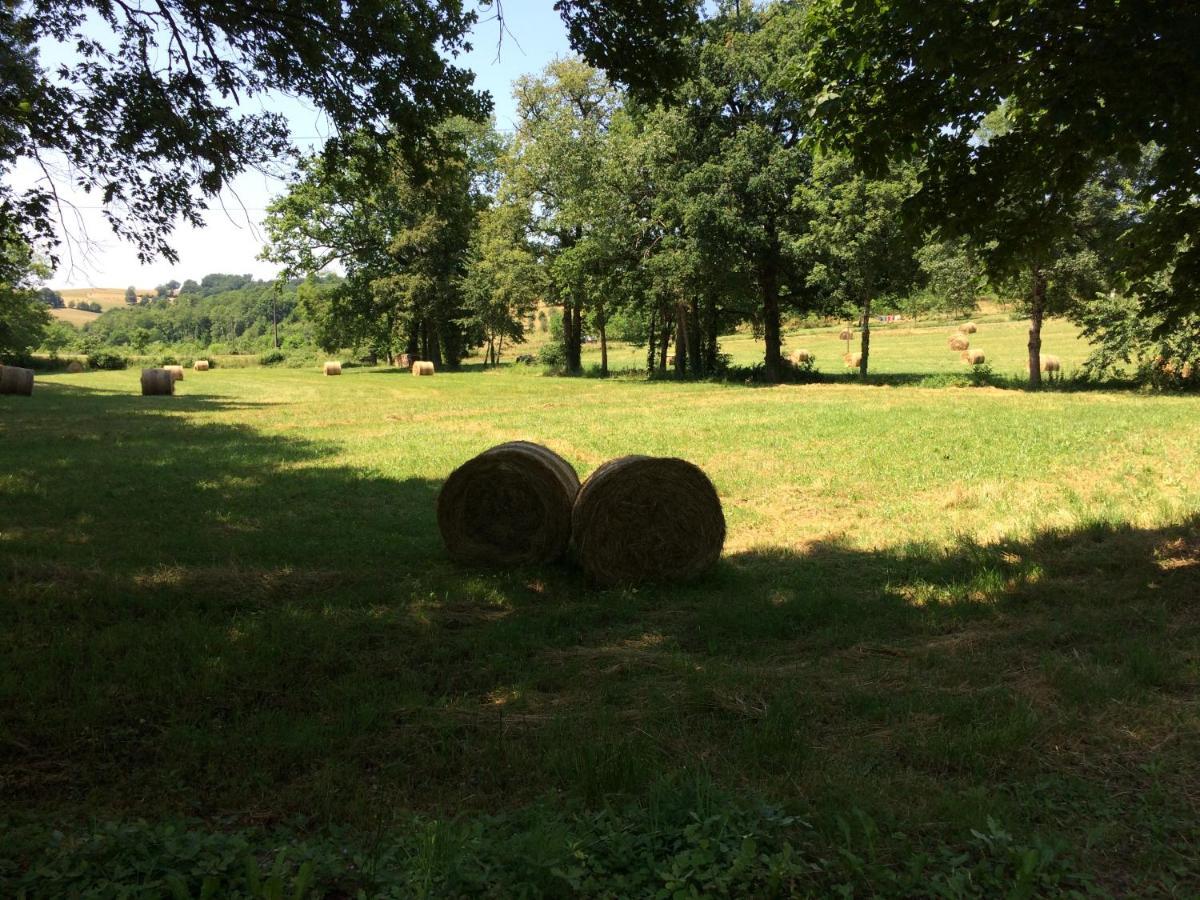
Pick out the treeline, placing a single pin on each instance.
(220, 313)
(675, 220)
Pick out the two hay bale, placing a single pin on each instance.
(157, 382)
(644, 518)
(636, 519)
(15, 380)
(510, 505)
(176, 372)
(333, 368)
(422, 367)
(959, 341)
(201, 365)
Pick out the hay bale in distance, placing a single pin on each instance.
(846, 334)
(157, 382)
(646, 519)
(959, 341)
(974, 357)
(15, 380)
(1051, 363)
(422, 367)
(800, 357)
(74, 367)
(853, 360)
(968, 328)
(510, 505)
(176, 372)
(201, 365)
(333, 368)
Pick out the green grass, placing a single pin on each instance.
(937, 608)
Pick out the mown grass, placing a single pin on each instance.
(938, 608)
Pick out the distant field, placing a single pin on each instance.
(901, 348)
(106, 297)
(74, 317)
(940, 612)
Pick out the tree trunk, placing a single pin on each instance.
(603, 348)
(695, 339)
(499, 349)
(665, 343)
(575, 350)
(681, 339)
(652, 333)
(1036, 314)
(710, 344)
(866, 337)
(768, 285)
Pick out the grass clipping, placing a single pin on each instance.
(510, 505)
(645, 519)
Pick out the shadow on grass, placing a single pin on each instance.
(201, 618)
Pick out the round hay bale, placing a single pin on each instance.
(422, 367)
(1051, 363)
(646, 518)
(510, 505)
(201, 365)
(959, 341)
(74, 367)
(846, 334)
(974, 357)
(853, 360)
(176, 372)
(800, 357)
(333, 368)
(15, 380)
(968, 328)
(157, 382)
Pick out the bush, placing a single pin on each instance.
(106, 359)
(272, 358)
(553, 356)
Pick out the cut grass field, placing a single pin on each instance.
(940, 612)
(76, 317)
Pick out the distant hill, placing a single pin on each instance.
(106, 297)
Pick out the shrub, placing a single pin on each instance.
(553, 356)
(106, 359)
(272, 358)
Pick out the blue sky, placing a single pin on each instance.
(231, 239)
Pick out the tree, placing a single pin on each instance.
(402, 242)
(953, 278)
(1082, 85)
(131, 295)
(856, 239)
(504, 281)
(23, 317)
(746, 131)
(57, 336)
(553, 167)
(150, 110)
(51, 298)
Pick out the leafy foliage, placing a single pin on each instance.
(149, 111)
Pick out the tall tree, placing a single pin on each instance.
(402, 242)
(856, 240)
(1082, 84)
(23, 318)
(553, 166)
